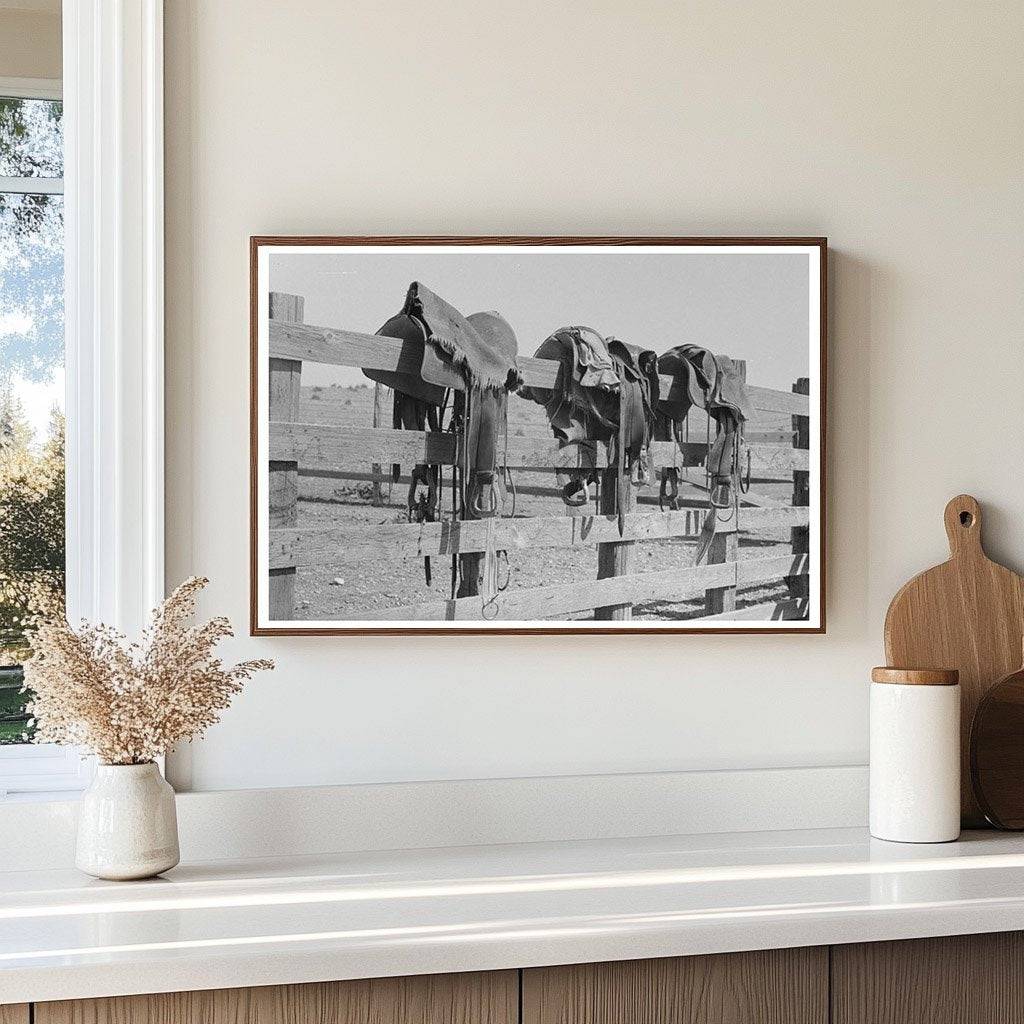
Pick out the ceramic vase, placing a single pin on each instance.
(127, 825)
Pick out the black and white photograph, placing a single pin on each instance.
(537, 435)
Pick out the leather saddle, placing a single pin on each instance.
(606, 392)
(715, 384)
(482, 349)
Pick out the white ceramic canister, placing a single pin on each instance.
(915, 755)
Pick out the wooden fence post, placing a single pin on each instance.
(283, 481)
(725, 544)
(724, 548)
(799, 586)
(377, 498)
(616, 557)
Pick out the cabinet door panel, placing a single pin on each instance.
(482, 998)
(961, 979)
(14, 1013)
(778, 986)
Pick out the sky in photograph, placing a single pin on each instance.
(748, 306)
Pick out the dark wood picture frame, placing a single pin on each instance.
(801, 478)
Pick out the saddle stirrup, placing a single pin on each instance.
(484, 484)
(576, 493)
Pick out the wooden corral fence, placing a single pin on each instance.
(334, 451)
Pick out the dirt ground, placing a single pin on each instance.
(344, 586)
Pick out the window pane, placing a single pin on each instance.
(13, 720)
(31, 138)
(31, 432)
(31, 294)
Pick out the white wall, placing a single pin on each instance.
(895, 129)
(30, 39)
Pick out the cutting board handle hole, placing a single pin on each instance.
(962, 518)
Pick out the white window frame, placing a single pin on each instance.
(32, 88)
(114, 325)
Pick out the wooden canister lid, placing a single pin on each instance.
(916, 676)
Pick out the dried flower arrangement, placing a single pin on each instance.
(129, 703)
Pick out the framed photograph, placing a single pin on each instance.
(537, 435)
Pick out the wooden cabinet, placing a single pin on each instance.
(777, 986)
(491, 998)
(963, 979)
(971, 979)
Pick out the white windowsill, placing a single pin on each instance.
(42, 771)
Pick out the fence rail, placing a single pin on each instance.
(306, 546)
(301, 453)
(304, 343)
(568, 598)
(332, 447)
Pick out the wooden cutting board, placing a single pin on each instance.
(967, 614)
(997, 752)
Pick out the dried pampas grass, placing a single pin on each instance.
(129, 703)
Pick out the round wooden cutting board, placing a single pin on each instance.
(997, 752)
(967, 614)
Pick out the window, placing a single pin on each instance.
(81, 188)
(32, 548)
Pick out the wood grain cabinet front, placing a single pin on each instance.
(967, 979)
(960, 979)
(776, 986)
(490, 998)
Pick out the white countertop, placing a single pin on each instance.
(262, 922)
